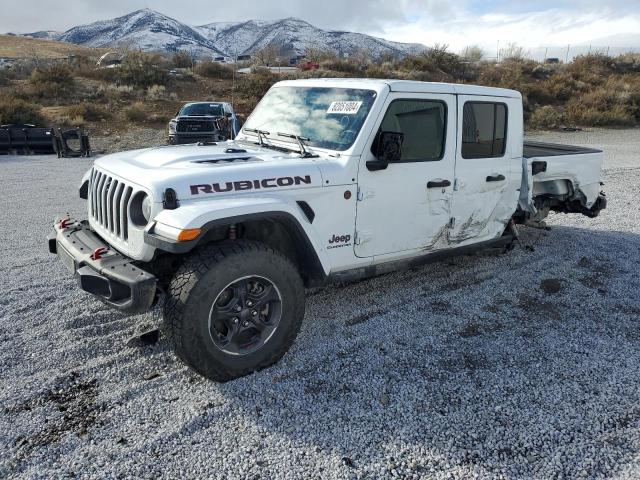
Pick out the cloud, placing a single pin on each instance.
(558, 25)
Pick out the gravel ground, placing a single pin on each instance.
(130, 140)
(524, 365)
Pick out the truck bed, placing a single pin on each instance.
(533, 149)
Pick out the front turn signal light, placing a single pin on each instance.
(189, 234)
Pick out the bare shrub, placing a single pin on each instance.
(512, 51)
(546, 117)
(216, 70)
(341, 65)
(156, 92)
(318, 55)
(136, 112)
(266, 56)
(627, 63)
(256, 84)
(441, 58)
(52, 82)
(615, 103)
(473, 53)
(5, 77)
(382, 70)
(183, 59)
(141, 70)
(14, 110)
(23, 68)
(89, 112)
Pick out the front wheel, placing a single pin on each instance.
(234, 308)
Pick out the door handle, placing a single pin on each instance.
(439, 184)
(495, 178)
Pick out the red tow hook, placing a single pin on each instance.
(98, 252)
(65, 222)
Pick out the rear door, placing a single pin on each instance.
(485, 193)
(407, 205)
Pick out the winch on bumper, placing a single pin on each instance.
(100, 270)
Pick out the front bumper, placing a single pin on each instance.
(110, 276)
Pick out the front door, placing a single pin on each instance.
(407, 205)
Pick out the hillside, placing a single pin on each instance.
(23, 47)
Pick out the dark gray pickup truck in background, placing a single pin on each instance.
(203, 122)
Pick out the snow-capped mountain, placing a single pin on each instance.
(294, 36)
(152, 31)
(144, 29)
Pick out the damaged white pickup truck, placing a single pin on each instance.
(328, 179)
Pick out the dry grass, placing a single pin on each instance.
(26, 48)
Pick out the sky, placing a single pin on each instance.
(490, 24)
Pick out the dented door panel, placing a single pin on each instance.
(486, 189)
(403, 207)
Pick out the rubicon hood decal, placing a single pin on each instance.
(197, 172)
(250, 184)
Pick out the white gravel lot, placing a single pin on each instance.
(519, 366)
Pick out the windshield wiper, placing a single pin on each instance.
(260, 133)
(305, 153)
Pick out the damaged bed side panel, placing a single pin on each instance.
(567, 177)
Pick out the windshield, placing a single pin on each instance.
(202, 110)
(328, 117)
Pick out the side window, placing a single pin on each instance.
(423, 124)
(484, 129)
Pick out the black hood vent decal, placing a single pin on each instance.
(226, 160)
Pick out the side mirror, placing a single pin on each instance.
(228, 115)
(389, 149)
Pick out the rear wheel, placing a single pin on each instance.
(234, 308)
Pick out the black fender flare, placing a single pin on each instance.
(312, 265)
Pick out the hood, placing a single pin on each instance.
(197, 172)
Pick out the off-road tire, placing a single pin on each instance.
(195, 286)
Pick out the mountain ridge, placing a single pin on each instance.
(150, 30)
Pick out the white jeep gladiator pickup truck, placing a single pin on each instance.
(329, 179)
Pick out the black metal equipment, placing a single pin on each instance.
(26, 140)
(77, 138)
(31, 140)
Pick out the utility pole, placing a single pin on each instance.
(233, 81)
(566, 58)
(498, 52)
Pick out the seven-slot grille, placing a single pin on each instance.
(195, 126)
(109, 203)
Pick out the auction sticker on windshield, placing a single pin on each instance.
(344, 107)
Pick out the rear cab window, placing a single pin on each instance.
(484, 129)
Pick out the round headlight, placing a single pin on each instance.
(146, 208)
(140, 209)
